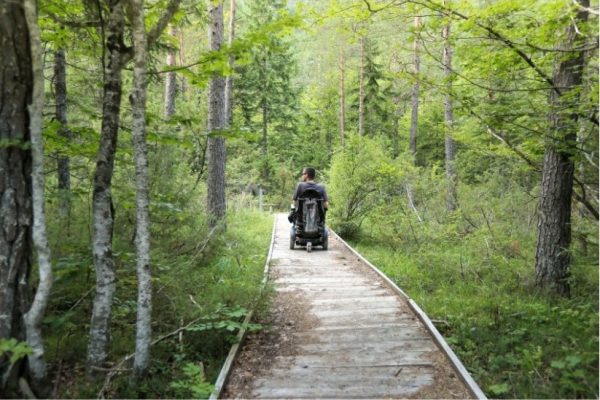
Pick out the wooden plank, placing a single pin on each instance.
(383, 382)
(362, 346)
(358, 358)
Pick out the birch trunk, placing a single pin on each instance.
(414, 120)
(229, 79)
(140, 153)
(170, 81)
(102, 207)
(216, 122)
(450, 147)
(361, 89)
(342, 98)
(552, 258)
(63, 168)
(33, 318)
(15, 175)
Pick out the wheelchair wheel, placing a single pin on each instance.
(325, 243)
(292, 241)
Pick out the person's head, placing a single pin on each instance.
(308, 174)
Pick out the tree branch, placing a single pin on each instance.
(162, 23)
(508, 43)
(582, 198)
(155, 31)
(70, 23)
(373, 11)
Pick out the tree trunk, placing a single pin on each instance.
(229, 79)
(264, 109)
(450, 147)
(140, 153)
(16, 85)
(33, 318)
(265, 128)
(102, 207)
(170, 81)
(342, 98)
(361, 89)
(216, 122)
(414, 120)
(63, 168)
(552, 258)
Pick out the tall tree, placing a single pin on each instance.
(414, 120)
(216, 122)
(170, 79)
(229, 79)
(450, 147)
(16, 85)
(342, 112)
(140, 151)
(63, 167)
(377, 93)
(117, 56)
(361, 88)
(33, 317)
(264, 91)
(103, 211)
(552, 258)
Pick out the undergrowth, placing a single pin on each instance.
(208, 286)
(472, 273)
(472, 270)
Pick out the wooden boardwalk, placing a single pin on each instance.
(340, 330)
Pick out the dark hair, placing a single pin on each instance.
(310, 172)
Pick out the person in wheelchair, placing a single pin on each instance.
(308, 213)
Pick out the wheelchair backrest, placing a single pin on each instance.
(311, 206)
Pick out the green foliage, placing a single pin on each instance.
(266, 98)
(353, 182)
(211, 282)
(379, 108)
(225, 318)
(14, 349)
(194, 384)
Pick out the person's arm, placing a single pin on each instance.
(295, 196)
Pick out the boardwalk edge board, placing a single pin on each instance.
(233, 352)
(439, 339)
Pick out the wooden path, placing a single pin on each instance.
(340, 330)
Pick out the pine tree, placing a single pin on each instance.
(264, 91)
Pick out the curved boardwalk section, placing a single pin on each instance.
(337, 330)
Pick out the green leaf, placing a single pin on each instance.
(499, 389)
